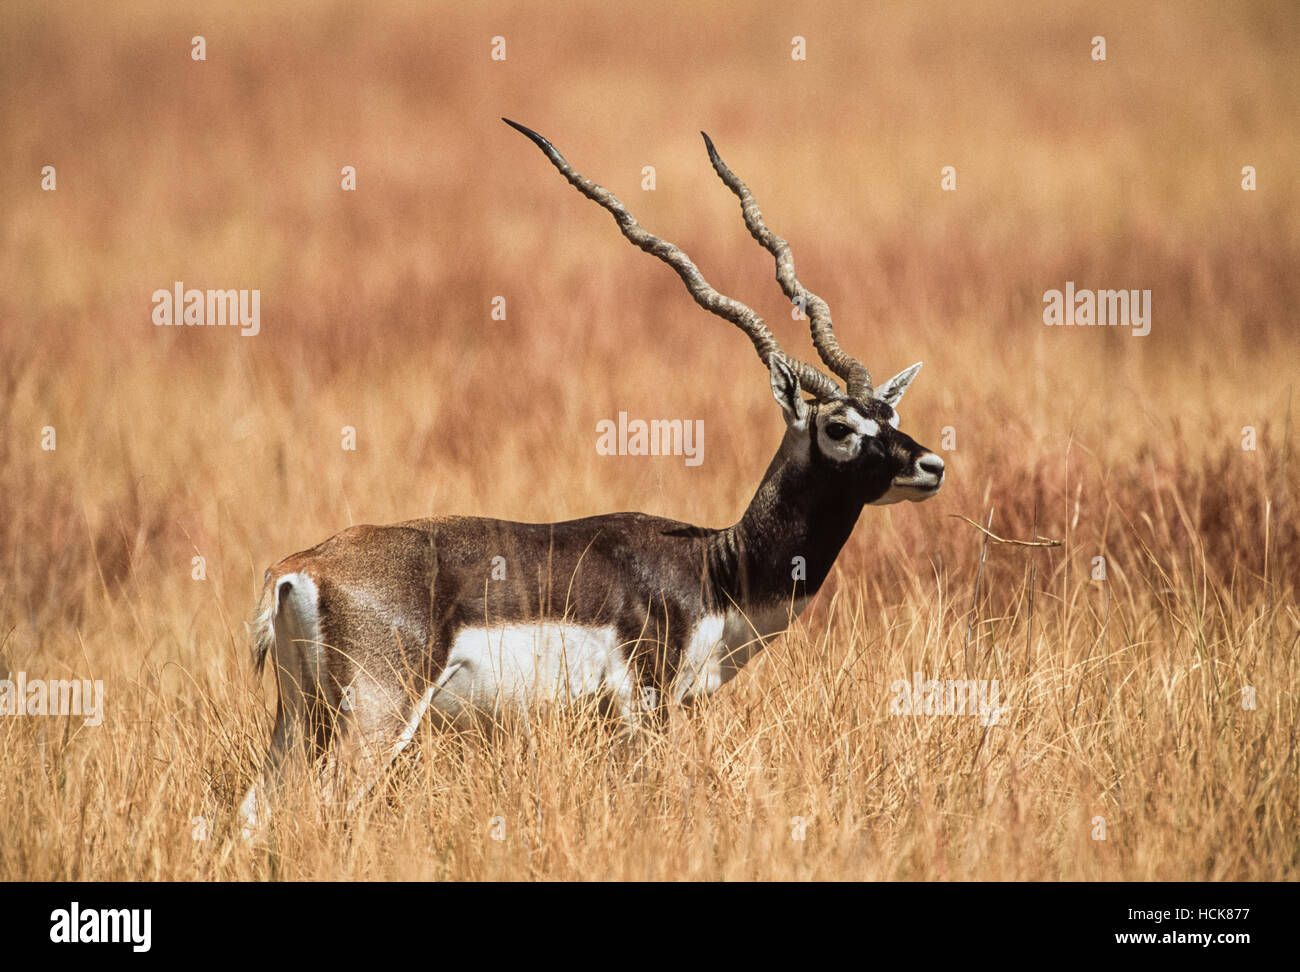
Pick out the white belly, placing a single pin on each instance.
(721, 644)
(509, 667)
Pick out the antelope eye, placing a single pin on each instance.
(837, 430)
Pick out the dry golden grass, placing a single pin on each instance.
(1123, 699)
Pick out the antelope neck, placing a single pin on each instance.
(795, 513)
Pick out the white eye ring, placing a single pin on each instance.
(852, 422)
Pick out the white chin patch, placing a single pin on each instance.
(896, 494)
(892, 495)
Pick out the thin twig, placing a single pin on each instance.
(1033, 582)
(1036, 542)
(975, 596)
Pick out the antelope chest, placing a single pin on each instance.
(721, 645)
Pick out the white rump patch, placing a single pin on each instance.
(296, 618)
(290, 631)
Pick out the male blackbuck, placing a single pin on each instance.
(380, 625)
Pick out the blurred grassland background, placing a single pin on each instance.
(1123, 697)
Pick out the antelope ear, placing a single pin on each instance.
(785, 389)
(891, 391)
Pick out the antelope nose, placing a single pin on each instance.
(931, 465)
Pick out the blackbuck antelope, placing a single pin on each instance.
(380, 625)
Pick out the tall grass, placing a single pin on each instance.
(1123, 698)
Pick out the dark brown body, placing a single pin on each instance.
(395, 597)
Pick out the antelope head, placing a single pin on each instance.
(849, 433)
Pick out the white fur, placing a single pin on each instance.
(721, 645)
(891, 391)
(847, 448)
(860, 423)
(898, 492)
(296, 619)
(510, 666)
